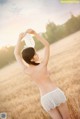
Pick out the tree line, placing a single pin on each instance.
(53, 33)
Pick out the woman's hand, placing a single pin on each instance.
(30, 31)
(21, 35)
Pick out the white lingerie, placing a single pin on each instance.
(53, 99)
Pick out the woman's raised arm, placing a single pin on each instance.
(45, 43)
(17, 51)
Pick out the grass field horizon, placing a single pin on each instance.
(20, 97)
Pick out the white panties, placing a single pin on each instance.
(53, 99)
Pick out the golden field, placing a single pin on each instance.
(20, 97)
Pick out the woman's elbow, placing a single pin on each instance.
(15, 53)
(47, 44)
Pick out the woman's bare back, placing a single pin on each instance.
(40, 75)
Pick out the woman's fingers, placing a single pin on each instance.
(30, 31)
(21, 35)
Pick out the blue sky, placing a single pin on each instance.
(18, 15)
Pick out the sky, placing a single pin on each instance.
(17, 16)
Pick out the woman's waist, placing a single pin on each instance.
(43, 92)
(47, 87)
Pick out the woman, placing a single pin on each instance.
(53, 99)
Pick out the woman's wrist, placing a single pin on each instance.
(21, 36)
(35, 33)
(30, 31)
(19, 39)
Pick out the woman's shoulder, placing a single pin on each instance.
(34, 69)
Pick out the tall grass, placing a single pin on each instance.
(20, 97)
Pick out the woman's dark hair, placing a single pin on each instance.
(27, 55)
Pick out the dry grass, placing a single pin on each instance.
(19, 96)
